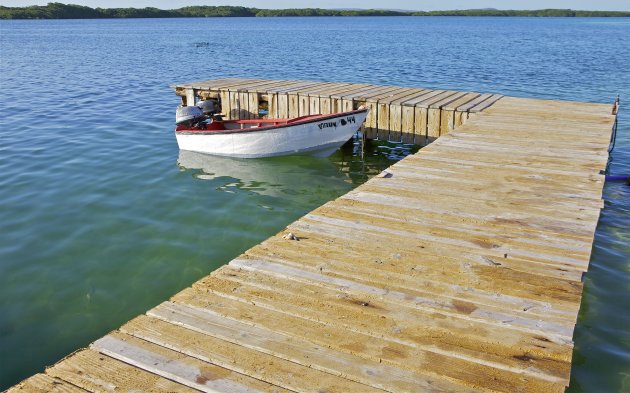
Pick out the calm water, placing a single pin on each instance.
(102, 219)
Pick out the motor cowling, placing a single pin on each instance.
(208, 107)
(188, 115)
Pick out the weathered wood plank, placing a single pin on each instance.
(538, 215)
(246, 94)
(371, 101)
(500, 245)
(315, 106)
(42, 383)
(282, 105)
(228, 93)
(408, 124)
(386, 350)
(238, 358)
(226, 103)
(437, 116)
(466, 107)
(332, 88)
(244, 110)
(286, 103)
(365, 314)
(93, 372)
(419, 114)
(355, 99)
(485, 104)
(333, 97)
(438, 272)
(269, 86)
(185, 370)
(461, 258)
(435, 209)
(323, 96)
(294, 105)
(400, 127)
(337, 96)
(209, 84)
(235, 105)
(301, 99)
(450, 118)
(433, 294)
(190, 97)
(402, 117)
(460, 118)
(422, 97)
(389, 121)
(370, 372)
(431, 109)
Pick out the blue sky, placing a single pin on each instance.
(620, 5)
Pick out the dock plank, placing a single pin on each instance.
(183, 369)
(373, 373)
(322, 97)
(485, 104)
(451, 118)
(402, 346)
(238, 358)
(428, 296)
(402, 118)
(389, 117)
(388, 368)
(42, 383)
(93, 371)
(372, 102)
(438, 274)
(427, 331)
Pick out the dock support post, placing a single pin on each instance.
(190, 97)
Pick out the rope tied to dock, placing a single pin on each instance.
(613, 137)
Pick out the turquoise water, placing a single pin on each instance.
(102, 219)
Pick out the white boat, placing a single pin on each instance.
(318, 135)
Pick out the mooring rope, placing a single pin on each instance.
(613, 137)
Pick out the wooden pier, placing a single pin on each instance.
(396, 114)
(459, 269)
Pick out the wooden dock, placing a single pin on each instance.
(459, 269)
(410, 115)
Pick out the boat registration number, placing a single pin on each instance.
(334, 124)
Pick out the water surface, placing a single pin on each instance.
(103, 219)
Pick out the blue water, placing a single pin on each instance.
(100, 222)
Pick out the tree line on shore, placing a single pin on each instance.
(72, 11)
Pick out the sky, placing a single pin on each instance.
(604, 5)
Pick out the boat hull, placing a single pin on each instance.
(317, 137)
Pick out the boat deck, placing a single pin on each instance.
(458, 269)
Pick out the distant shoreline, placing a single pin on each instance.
(70, 11)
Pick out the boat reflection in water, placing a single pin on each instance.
(282, 177)
(308, 181)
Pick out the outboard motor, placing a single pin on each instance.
(209, 107)
(188, 115)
